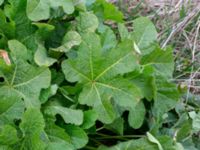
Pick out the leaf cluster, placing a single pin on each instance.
(75, 82)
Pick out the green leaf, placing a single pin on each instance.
(40, 9)
(26, 82)
(137, 115)
(116, 126)
(1, 2)
(98, 75)
(166, 97)
(32, 127)
(16, 11)
(41, 58)
(144, 34)
(89, 120)
(78, 137)
(108, 38)
(161, 60)
(87, 22)
(107, 11)
(69, 115)
(18, 50)
(168, 143)
(47, 93)
(44, 30)
(8, 135)
(67, 5)
(154, 140)
(11, 106)
(123, 31)
(3, 147)
(195, 123)
(138, 144)
(60, 146)
(7, 27)
(184, 131)
(3, 40)
(71, 39)
(59, 139)
(146, 82)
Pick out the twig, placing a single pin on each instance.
(181, 25)
(193, 59)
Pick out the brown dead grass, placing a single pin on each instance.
(180, 32)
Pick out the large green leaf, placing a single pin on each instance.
(71, 38)
(195, 121)
(77, 135)
(144, 34)
(59, 139)
(137, 115)
(6, 27)
(166, 97)
(87, 22)
(146, 81)
(154, 140)
(40, 9)
(60, 146)
(16, 11)
(123, 32)
(32, 127)
(90, 117)
(116, 126)
(41, 58)
(18, 50)
(1, 2)
(140, 144)
(98, 74)
(8, 135)
(108, 38)
(161, 60)
(107, 11)
(69, 115)
(26, 82)
(11, 105)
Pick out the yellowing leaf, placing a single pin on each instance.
(5, 57)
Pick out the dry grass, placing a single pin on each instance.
(178, 23)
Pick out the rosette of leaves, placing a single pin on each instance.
(71, 78)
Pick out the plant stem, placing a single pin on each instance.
(120, 136)
(90, 148)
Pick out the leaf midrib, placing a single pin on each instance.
(115, 88)
(27, 82)
(112, 65)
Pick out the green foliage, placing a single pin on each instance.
(76, 83)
